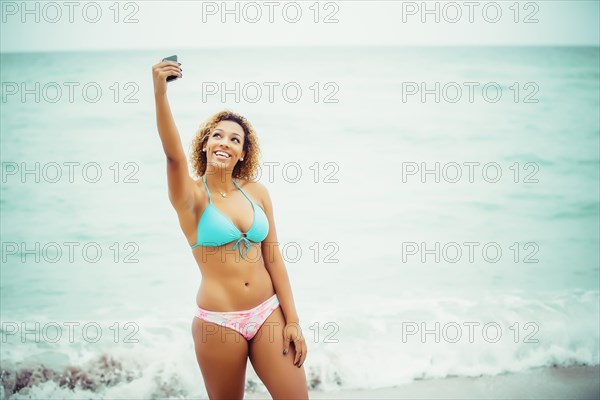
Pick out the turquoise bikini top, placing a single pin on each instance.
(216, 229)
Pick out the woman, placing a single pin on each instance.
(245, 308)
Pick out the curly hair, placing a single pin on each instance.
(245, 169)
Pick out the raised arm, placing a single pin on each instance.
(181, 185)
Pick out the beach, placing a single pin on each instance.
(579, 382)
(423, 239)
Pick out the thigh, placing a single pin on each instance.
(222, 355)
(279, 374)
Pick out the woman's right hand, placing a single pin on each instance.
(161, 71)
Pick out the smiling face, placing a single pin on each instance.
(233, 134)
(225, 144)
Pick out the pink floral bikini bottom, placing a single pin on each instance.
(246, 322)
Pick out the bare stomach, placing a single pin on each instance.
(230, 282)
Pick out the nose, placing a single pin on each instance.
(222, 143)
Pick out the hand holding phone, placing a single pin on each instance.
(172, 77)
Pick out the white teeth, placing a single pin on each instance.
(219, 153)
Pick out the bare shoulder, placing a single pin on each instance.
(200, 188)
(257, 189)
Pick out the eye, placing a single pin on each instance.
(237, 139)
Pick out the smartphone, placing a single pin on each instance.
(172, 77)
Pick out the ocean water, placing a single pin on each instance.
(400, 271)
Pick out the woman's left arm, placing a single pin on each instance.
(281, 282)
(274, 262)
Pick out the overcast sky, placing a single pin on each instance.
(100, 25)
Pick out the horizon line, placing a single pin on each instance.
(174, 49)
